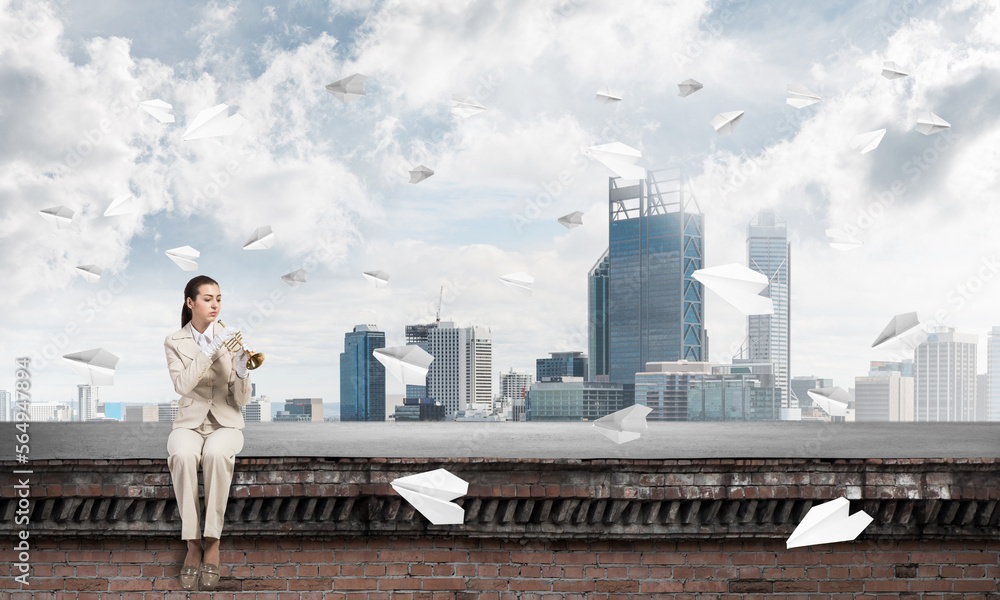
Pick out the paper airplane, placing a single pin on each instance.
(420, 173)
(521, 282)
(408, 364)
(379, 278)
(799, 96)
(159, 109)
(606, 96)
(891, 70)
(89, 272)
(122, 205)
(688, 87)
(348, 88)
(295, 278)
(899, 325)
(624, 425)
(829, 523)
(724, 123)
(213, 122)
(262, 238)
(573, 219)
(841, 240)
(831, 399)
(464, 107)
(739, 286)
(928, 123)
(61, 216)
(619, 158)
(184, 257)
(430, 493)
(868, 141)
(97, 366)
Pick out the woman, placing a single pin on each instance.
(213, 383)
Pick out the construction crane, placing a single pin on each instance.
(440, 296)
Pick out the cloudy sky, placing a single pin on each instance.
(331, 178)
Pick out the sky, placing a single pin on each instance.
(331, 178)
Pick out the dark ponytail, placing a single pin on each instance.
(191, 291)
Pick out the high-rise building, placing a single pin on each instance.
(362, 376)
(701, 391)
(417, 335)
(769, 253)
(886, 394)
(49, 411)
(597, 317)
(993, 375)
(655, 305)
(167, 412)
(573, 399)
(562, 364)
(462, 371)
(86, 402)
(6, 406)
(303, 409)
(514, 384)
(945, 372)
(258, 410)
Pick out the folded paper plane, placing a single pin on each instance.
(420, 173)
(739, 286)
(122, 205)
(573, 219)
(831, 399)
(899, 325)
(348, 88)
(891, 70)
(829, 523)
(379, 278)
(866, 142)
(159, 109)
(295, 278)
(408, 364)
(688, 87)
(619, 158)
(213, 122)
(261, 239)
(799, 96)
(464, 107)
(841, 240)
(928, 123)
(185, 257)
(724, 123)
(89, 272)
(624, 425)
(431, 494)
(606, 95)
(60, 216)
(97, 366)
(520, 282)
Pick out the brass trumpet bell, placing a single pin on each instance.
(235, 345)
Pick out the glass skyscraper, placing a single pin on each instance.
(655, 306)
(597, 317)
(362, 376)
(944, 370)
(769, 253)
(993, 375)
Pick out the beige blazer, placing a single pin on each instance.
(204, 383)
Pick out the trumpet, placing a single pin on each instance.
(235, 345)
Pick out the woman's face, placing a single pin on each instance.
(205, 308)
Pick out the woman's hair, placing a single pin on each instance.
(191, 291)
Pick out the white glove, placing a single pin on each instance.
(220, 338)
(240, 362)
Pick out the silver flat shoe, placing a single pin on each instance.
(209, 576)
(189, 577)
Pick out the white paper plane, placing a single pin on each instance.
(899, 325)
(520, 282)
(431, 494)
(420, 173)
(408, 364)
(831, 399)
(122, 205)
(688, 87)
(606, 96)
(97, 366)
(724, 123)
(624, 425)
(464, 107)
(619, 158)
(891, 70)
(184, 257)
(213, 122)
(928, 123)
(262, 238)
(573, 219)
(829, 523)
(867, 142)
(60, 216)
(159, 109)
(739, 286)
(295, 278)
(841, 240)
(348, 88)
(799, 96)
(379, 278)
(89, 272)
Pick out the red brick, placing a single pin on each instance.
(354, 584)
(617, 586)
(309, 584)
(973, 585)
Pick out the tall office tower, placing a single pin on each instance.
(769, 253)
(362, 376)
(982, 397)
(461, 372)
(993, 375)
(597, 317)
(562, 364)
(945, 372)
(886, 394)
(6, 406)
(86, 401)
(514, 384)
(655, 306)
(417, 336)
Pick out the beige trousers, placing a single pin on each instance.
(215, 447)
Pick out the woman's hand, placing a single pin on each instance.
(220, 339)
(240, 362)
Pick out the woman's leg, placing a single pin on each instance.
(184, 448)
(218, 462)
